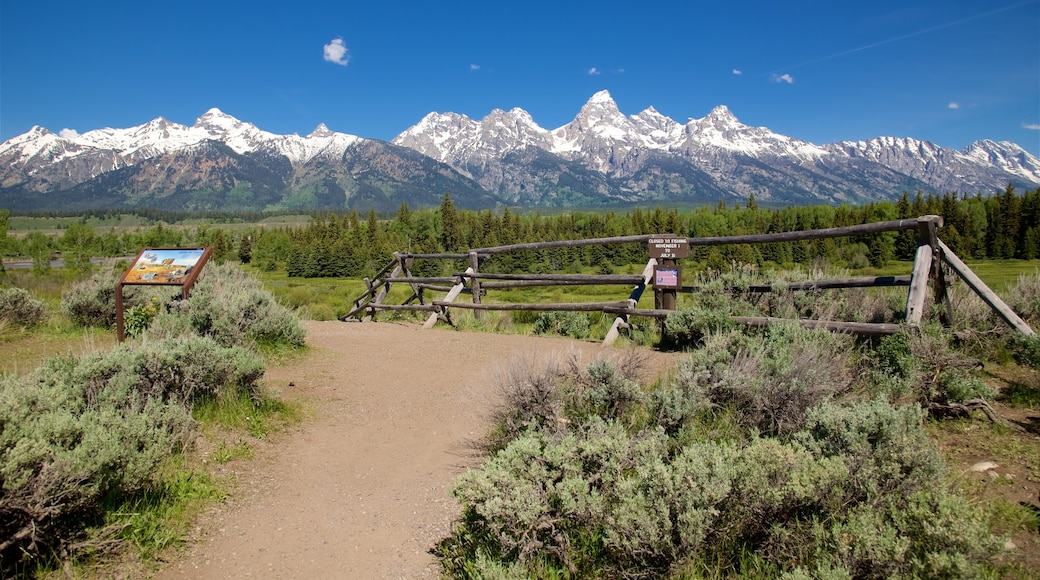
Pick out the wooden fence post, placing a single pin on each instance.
(381, 294)
(633, 298)
(452, 295)
(474, 283)
(927, 265)
(987, 295)
(918, 284)
(926, 231)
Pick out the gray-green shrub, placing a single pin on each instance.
(92, 302)
(925, 360)
(858, 491)
(687, 328)
(18, 307)
(1024, 297)
(572, 324)
(82, 430)
(232, 307)
(768, 379)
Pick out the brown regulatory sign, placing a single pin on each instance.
(672, 248)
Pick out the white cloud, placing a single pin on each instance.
(474, 67)
(68, 133)
(336, 52)
(784, 78)
(953, 106)
(594, 71)
(1031, 126)
(738, 72)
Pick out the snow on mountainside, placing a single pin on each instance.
(160, 136)
(650, 156)
(460, 141)
(219, 163)
(983, 165)
(600, 157)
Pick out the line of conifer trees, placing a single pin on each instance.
(1005, 225)
(1002, 226)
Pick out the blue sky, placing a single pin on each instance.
(948, 71)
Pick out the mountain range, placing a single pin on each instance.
(602, 157)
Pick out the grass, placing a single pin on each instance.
(19, 226)
(160, 517)
(22, 351)
(999, 275)
(258, 417)
(333, 296)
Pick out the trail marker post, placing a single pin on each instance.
(667, 274)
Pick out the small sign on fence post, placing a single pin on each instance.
(668, 247)
(667, 274)
(160, 267)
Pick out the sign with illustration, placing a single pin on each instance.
(167, 266)
(668, 277)
(164, 267)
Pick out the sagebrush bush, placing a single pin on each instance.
(92, 302)
(858, 491)
(81, 430)
(232, 307)
(18, 307)
(572, 324)
(1024, 297)
(767, 379)
(687, 328)
(603, 389)
(1026, 350)
(552, 395)
(527, 397)
(927, 361)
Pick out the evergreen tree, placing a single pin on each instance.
(245, 248)
(906, 243)
(451, 229)
(1004, 224)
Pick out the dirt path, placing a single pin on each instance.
(363, 488)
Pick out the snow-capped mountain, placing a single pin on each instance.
(219, 162)
(650, 156)
(601, 156)
(971, 169)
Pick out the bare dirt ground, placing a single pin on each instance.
(362, 488)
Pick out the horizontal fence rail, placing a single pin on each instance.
(927, 266)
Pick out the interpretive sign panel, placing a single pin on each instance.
(668, 247)
(162, 267)
(167, 266)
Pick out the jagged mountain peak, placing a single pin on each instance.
(601, 104)
(214, 114)
(722, 113)
(720, 118)
(650, 112)
(38, 130)
(218, 123)
(321, 131)
(601, 97)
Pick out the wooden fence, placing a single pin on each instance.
(927, 267)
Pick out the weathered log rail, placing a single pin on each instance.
(930, 256)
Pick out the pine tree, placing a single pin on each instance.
(451, 229)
